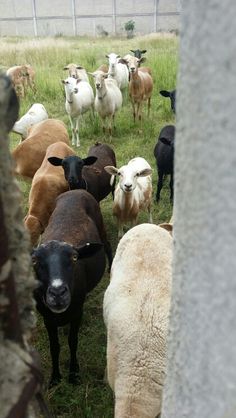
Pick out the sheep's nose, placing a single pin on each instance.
(57, 291)
(128, 186)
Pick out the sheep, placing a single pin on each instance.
(68, 264)
(29, 154)
(35, 114)
(88, 173)
(108, 99)
(48, 182)
(79, 99)
(118, 71)
(168, 225)
(140, 86)
(164, 155)
(17, 74)
(171, 95)
(136, 314)
(29, 78)
(77, 71)
(133, 192)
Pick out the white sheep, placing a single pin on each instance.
(35, 114)
(118, 71)
(136, 313)
(79, 99)
(108, 98)
(77, 71)
(133, 192)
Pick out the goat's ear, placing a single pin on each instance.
(143, 51)
(165, 141)
(164, 93)
(107, 56)
(131, 50)
(79, 67)
(66, 68)
(142, 59)
(55, 160)
(89, 160)
(63, 81)
(123, 61)
(89, 249)
(111, 170)
(145, 172)
(168, 227)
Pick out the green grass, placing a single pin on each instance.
(93, 397)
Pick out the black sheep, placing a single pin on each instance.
(171, 95)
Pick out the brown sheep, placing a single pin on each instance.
(29, 154)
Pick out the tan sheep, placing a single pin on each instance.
(48, 183)
(29, 154)
(136, 313)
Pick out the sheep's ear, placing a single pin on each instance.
(145, 172)
(89, 249)
(63, 81)
(111, 170)
(107, 56)
(143, 51)
(89, 160)
(168, 227)
(143, 59)
(55, 160)
(66, 68)
(131, 50)
(164, 93)
(165, 141)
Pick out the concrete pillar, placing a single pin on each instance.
(201, 374)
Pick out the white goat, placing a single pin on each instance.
(79, 99)
(118, 71)
(77, 71)
(136, 313)
(35, 114)
(133, 192)
(108, 98)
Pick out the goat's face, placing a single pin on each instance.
(133, 64)
(73, 167)
(55, 265)
(99, 78)
(113, 59)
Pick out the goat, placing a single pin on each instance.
(68, 264)
(77, 71)
(138, 52)
(136, 313)
(140, 86)
(164, 155)
(81, 175)
(108, 99)
(29, 77)
(133, 192)
(35, 114)
(79, 99)
(118, 71)
(29, 154)
(48, 182)
(171, 95)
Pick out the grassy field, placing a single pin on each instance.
(93, 397)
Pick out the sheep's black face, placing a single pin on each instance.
(73, 171)
(54, 264)
(172, 100)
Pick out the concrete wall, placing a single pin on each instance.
(79, 17)
(201, 379)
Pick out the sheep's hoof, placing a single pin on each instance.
(55, 379)
(74, 378)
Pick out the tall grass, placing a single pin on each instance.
(92, 398)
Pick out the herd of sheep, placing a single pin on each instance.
(68, 235)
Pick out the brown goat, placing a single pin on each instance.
(29, 154)
(17, 75)
(29, 78)
(48, 182)
(140, 86)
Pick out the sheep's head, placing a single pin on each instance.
(128, 176)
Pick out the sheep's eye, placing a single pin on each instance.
(34, 260)
(74, 258)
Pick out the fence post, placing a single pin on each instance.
(34, 17)
(74, 17)
(114, 16)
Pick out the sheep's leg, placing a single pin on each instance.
(159, 185)
(55, 351)
(73, 343)
(171, 187)
(110, 125)
(149, 106)
(139, 111)
(77, 132)
(134, 111)
(72, 130)
(150, 214)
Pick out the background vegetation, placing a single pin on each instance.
(93, 397)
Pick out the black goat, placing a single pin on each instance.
(138, 52)
(69, 263)
(171, 95)
(88, 173)
(164, 154)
